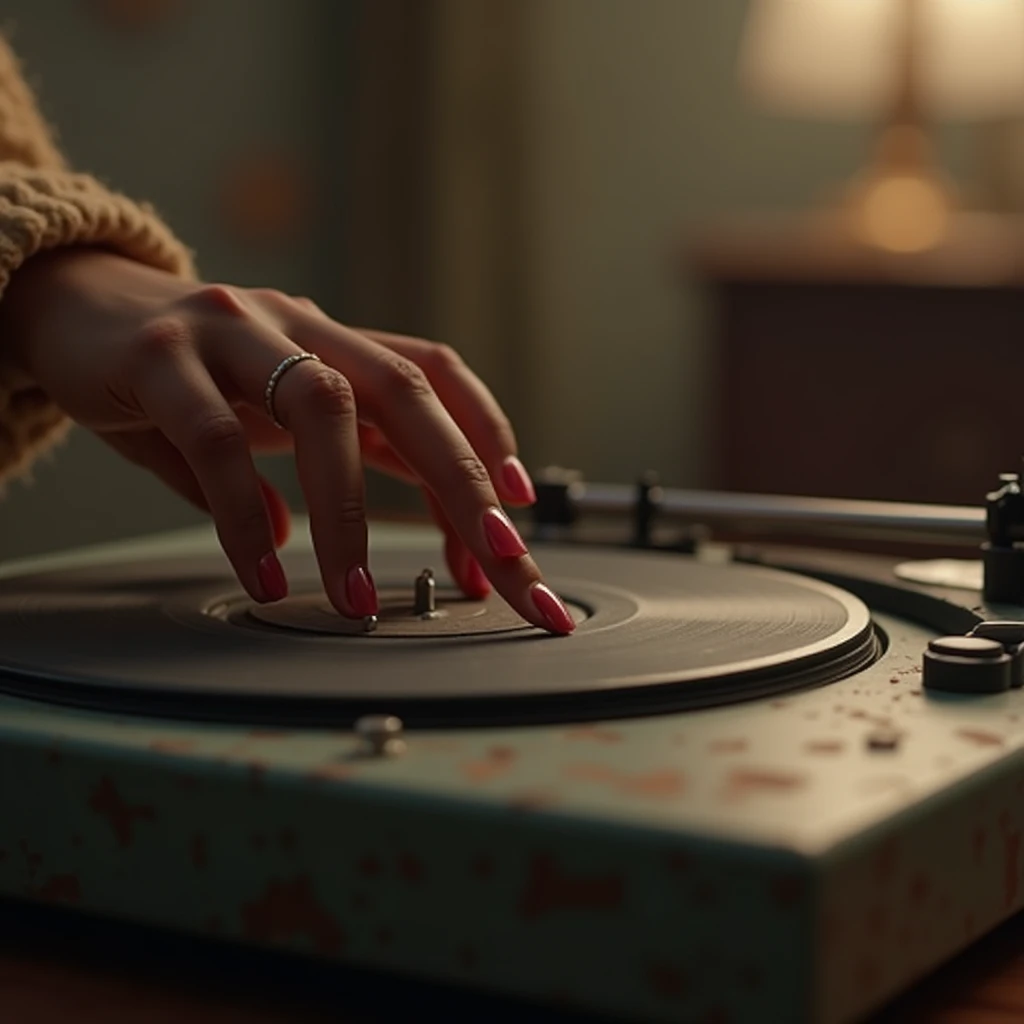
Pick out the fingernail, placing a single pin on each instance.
(502, 536)
(272, 578)
(550, 606)
(475, 583)
(517, 481)
(361, 593)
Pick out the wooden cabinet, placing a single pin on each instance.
(843, 372)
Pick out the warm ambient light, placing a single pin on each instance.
(901, 63)
(903, 214)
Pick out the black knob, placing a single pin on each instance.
(966, 664)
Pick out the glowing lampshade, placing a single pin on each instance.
(902, 63)
(841, 59)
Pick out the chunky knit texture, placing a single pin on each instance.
(44, 206)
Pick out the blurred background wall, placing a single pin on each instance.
(517, 177)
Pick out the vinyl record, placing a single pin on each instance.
(655, 632)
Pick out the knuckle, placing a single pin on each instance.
(349, 512)
(403, 378)
(469, 469)
(161, 339)
(248, 520)
(218, 298)
(444, 359)
(218, 436)
(272, 296)
(327, 393)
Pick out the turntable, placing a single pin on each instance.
(755, 785)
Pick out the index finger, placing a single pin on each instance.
(473, 407)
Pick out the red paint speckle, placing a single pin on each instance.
(594, 734)
(826, 747)
(550, 889)
(122, 816)
(745, 782)
(497, 762)
(288, 910)
(665, 783)
(980, 737)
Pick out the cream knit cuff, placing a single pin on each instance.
(48, 209)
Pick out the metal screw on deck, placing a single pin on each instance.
(381, 735)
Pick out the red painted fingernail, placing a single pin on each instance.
(502, 536)
(550, 606)
(517, 481)
(272, 578)
(475, 583)
(361, 593)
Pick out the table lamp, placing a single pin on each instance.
(903, 64)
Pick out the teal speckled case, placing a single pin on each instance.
(754, 863)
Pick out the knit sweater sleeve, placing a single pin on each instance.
(43, 206)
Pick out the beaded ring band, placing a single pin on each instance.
(275, 378)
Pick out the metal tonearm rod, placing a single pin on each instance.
(563, 497)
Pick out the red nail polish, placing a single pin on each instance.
(550, 606)
(474, 582)
(361, 593)
(272, 578)
(502, 536)
(517, 481)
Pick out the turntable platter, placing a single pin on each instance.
(178, 638)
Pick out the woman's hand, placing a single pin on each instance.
(172, 374)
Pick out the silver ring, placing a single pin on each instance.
(275, 378)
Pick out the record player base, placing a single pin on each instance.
(760, 862)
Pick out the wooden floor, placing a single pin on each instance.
(57, 967)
